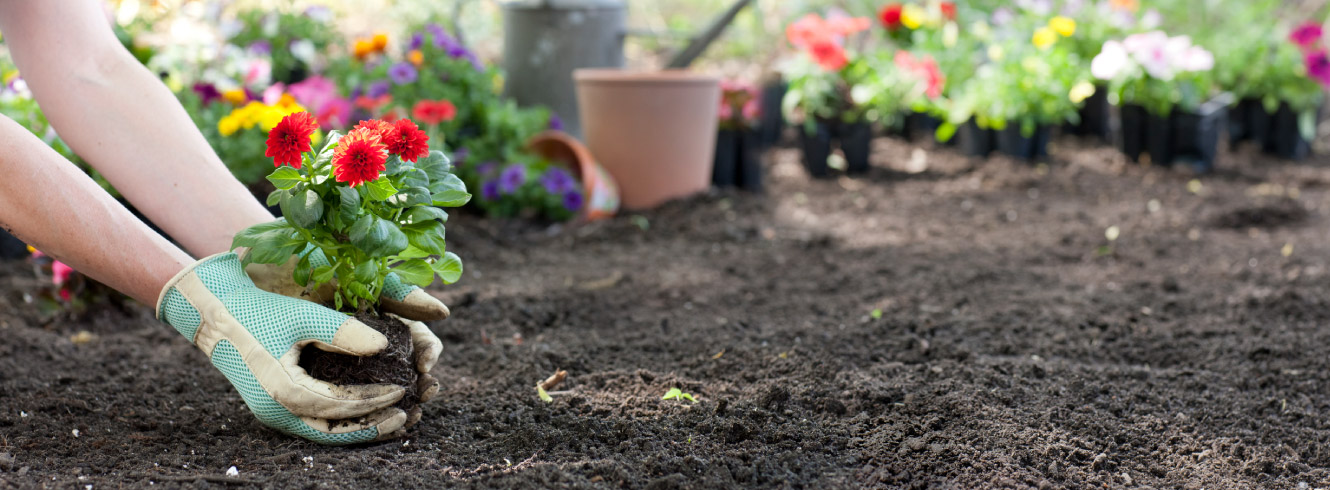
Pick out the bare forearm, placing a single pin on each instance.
(47, 202)
(120, 118)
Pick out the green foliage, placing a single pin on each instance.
(677, 394)
(280, 30)
(390, 225)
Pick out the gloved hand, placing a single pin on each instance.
(254, 338)
(407, 303)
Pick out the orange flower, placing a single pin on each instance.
(363, 48)
(380, 41)
(1128, 5)
(415, 57)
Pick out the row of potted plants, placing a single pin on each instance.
(999, 78)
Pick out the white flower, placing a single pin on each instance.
(1110, 62)
(1198, 59)
(303, 50)
(1151, 19)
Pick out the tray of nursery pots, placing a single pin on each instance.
(1286, 133)
(974, 140)
(1178, 135)
(739, 140)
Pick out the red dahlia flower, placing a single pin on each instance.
(359, 158)
(379, 127)
(890, 15)
(433, 112)
(407, 141)
(948, 10)
(829, 55)
(290, 138)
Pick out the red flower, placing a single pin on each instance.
(807, 29)
(948, 10)
(433, 112)
(379, 127)
(373, 104)
(407, 141)
(828, 54)
(890, 15)
(290, 137)
(359, 158)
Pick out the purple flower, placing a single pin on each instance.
(1306, 34)
(572, 201)
(207, 92)
(402, 73)
(378, 88)
(417, 40)
(556, 123)
(1318, 67)
(557, 181)
(486, 168)
(512, 178)
(260, 47)
(489, 191)
(1003, 16)
(459, 155)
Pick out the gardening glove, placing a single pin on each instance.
(407, 303)
(254, 338)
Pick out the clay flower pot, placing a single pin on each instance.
(602, 196)
(655, 132)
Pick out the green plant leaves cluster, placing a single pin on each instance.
(392, 225)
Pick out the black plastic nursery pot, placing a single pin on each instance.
(772, 121)
(749, 175)
(1237, 121)
(1133, 131)
(1195, 135)
(975, 141)
(1256, 125)
(11, 247)
(1095, 118)
(856, 141)
(725, 166)
(1285, 139)
(816, 145)
(1012, 142)
(919, 126)
(1159, 139)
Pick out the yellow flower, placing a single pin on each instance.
(380, 41)
(995, 52)
(1081, 91)
(288, 104)
(1044, 37)
(235, 96)
(269, 117)
(228, 125)
(10, 76)
(416, 57)
(913, 16)
(1063, 25)
(249, 114)
(951, 33)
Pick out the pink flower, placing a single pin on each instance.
(60, 272)
(752, 109)
(314, 92)
(335, 113)
(1306, 35)
(1318, 66)
(273, 94)
(726, 110)
(260, 71)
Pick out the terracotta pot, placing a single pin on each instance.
(655, 132)
(602, 196)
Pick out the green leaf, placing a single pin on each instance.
(285, 177)
(945, 131)
(276, 197)
(412, 253)
(380, 190)
(427, 236)
(394, 165)
(325, 155)
(250, 236)
(436, 165)
(360, 291)
(411, 196)
(421, 214)
(416, 272)
(274, 248)
(304, 208)
(1307, 125)
(449, 192)
(544, 397)
(377, 237)
(415, 178)
(302, 272)
(350, 206)
(672, 393)
(322, 274)
(365, 271)
(448, 267)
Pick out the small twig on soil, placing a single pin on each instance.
(553, 380)
(207, 478)
(605, 283)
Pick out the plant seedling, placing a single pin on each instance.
(677, 394)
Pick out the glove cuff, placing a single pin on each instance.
(216, 271)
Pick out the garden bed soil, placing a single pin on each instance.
(395, 365)
(942, 322)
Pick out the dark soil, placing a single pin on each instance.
(395, 365)
(938, 323)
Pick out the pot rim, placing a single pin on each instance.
(618, 76)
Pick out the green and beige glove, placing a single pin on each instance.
(407, 303)
(254, 338)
